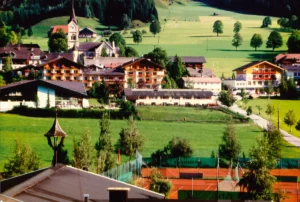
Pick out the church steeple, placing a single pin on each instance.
(73, 16)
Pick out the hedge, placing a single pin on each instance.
(68, 113)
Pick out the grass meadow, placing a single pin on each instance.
(187, 31)
(284, 107)
(204, 137)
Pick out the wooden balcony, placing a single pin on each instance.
(263, 79)
(263, 72)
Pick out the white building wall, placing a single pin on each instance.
(172, 101)
(85, 103)
(42, 95)
(214, 87)
(9, 105)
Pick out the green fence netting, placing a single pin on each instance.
(201, 162)
(209, 195)
(127, 171)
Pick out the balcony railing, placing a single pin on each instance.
(262, 79)
(263, 72)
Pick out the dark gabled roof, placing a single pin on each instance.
(135, 93)
(21, 51)
(111, 62)
(190, 59)
(88, 46)
(64, 183)
(94, 70)
(246, 66)
(63, 60)
(51, 56)
(141, 60)
(85, 30)
(206, 72)
(70, 87)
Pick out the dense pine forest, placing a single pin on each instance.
(110, 12)
(280, 8)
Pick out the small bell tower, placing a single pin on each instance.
(73, 30)
(55, 137)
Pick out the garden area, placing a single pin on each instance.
(204, 137)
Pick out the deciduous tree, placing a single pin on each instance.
(270, 110)
(274, 40)
(180, 147)
(24, 160)
(237, 27)
(7, 64)
(290, 119)
(155, 27)
(218, 27)
(137, 36)
(256, 41)
(118, 39)
(230, 147)
(159, 185)
(226, 97)
(266, 22)
(258, 181)
(58, 41)
(159, 56)
(237, 40)
(30, 31)
(130, 139)
(131, 52)
(293, 42)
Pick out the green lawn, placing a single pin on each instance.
(284, 106)
(41, 29)
(204, 137)
(170, 113)
(188, 32)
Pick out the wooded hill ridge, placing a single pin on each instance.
(280, 8)
(109, 12)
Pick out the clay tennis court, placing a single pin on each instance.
(209, 182)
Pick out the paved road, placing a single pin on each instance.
(263, 123)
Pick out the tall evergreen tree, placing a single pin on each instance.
(83, 152)
(230, 147)
(130, 139)
(176, 69)
(104, 147)
(24, 160)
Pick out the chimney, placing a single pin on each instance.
(86, 197)
(118, 194)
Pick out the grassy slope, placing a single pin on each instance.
(188, 31)
(284, 106)
(203, 137)
(41, 29)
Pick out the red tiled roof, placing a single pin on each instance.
(246, 66)
(63, 27)
(21, 51)
(287, 56)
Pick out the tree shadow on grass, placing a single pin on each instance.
(264, 56)
(259, 52)
(210, 36)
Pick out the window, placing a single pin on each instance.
(249, 82)
(295, 73)
(254, 83)
(73, 37)
(265, 83)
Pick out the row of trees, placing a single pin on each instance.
(27, 12)
(274, 40)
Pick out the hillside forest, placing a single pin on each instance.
(109, 12)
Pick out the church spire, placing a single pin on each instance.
(73, 16)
